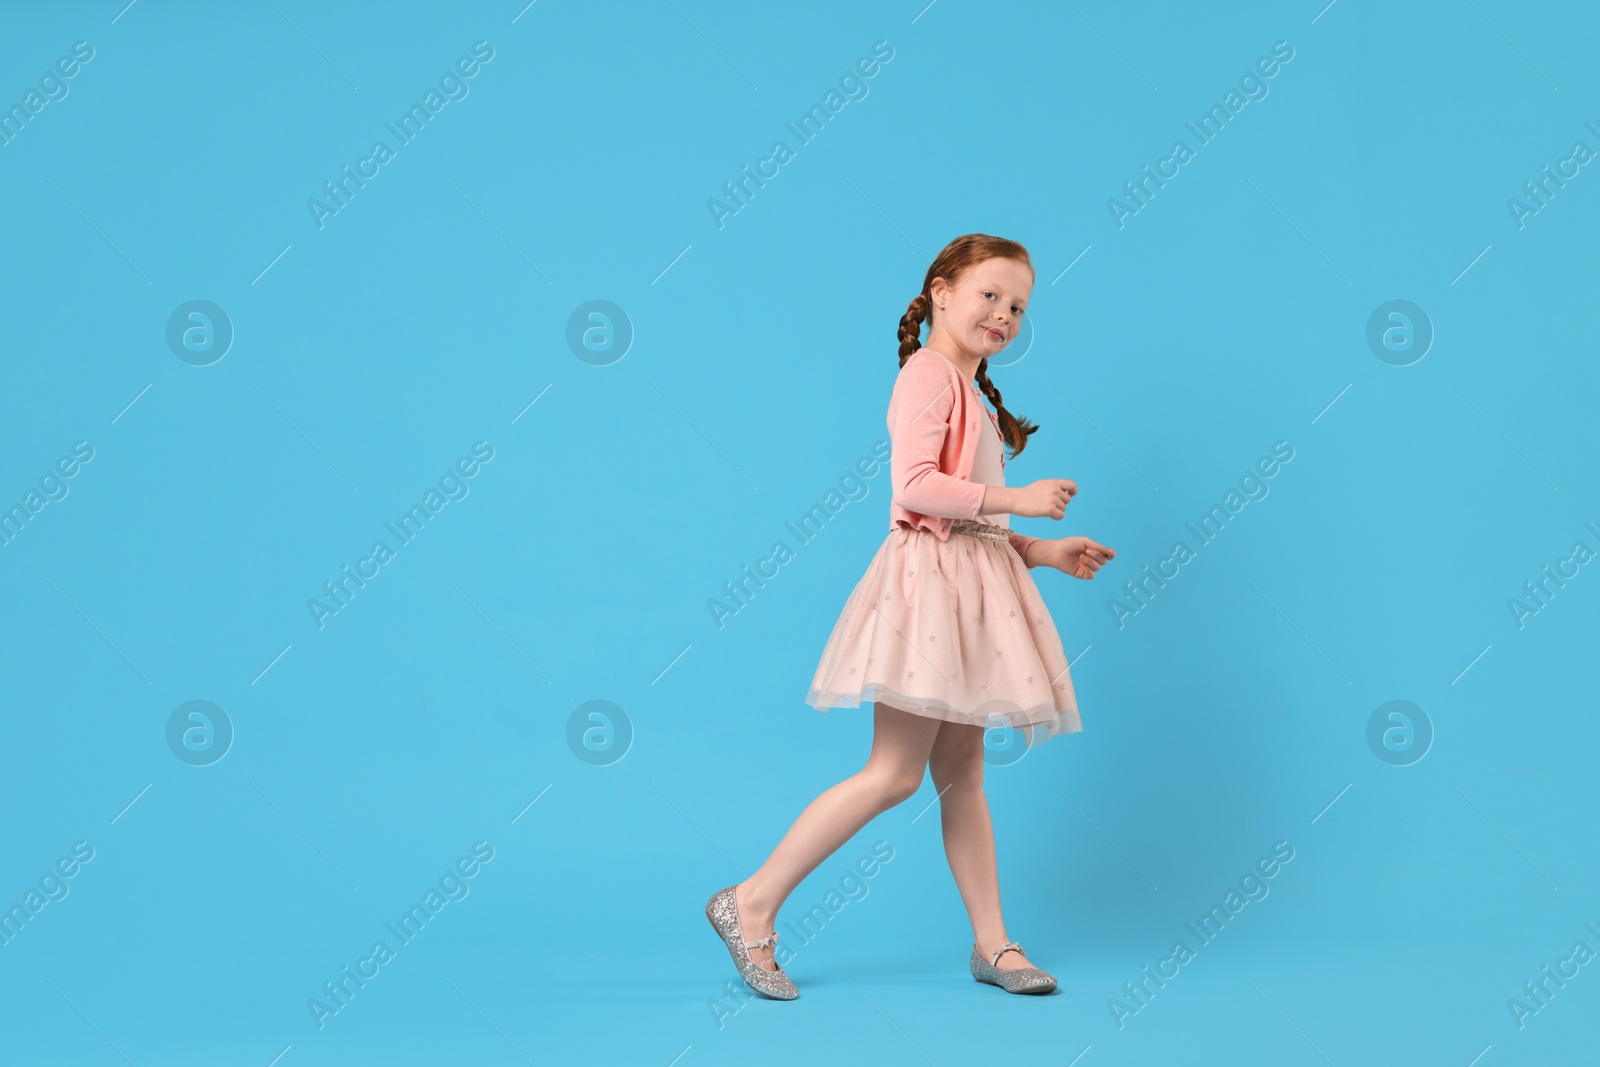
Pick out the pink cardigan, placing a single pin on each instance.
(934, 422)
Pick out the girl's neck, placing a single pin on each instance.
(965, 362)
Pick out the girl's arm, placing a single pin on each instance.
(1003, 498)
(1020, 542)
(923, 400)
(922, 403)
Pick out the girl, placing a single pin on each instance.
(946, 632)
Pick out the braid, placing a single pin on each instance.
(910, 332)
(1016, 430)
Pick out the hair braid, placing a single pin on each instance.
(1016, 430)
(911, 326)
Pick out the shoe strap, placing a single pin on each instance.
(1009, 946)
(768, 941)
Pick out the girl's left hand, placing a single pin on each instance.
(1078, 556)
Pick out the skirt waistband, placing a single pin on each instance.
(984, 530)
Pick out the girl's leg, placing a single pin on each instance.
(901, 742)
(956, 762)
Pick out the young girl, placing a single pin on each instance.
(946, 632)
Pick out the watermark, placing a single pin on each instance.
(852, 888)
(1253, 887)
(52, 888)
(52, 487)
(1399, 733)
(1538, 192)
(738, 592)
(1253, 486)
(1539, 993)
(1003, 744)
(1019, 347)
(53, 88)
(1399, 332)
(599, 732)
(805, 129)
(199, 733)
(1539, 592)
(452, 484)
(1004, 741)
(199, 332)
(337, 993)
(1253, 84)
(599, 332)
(453, 86)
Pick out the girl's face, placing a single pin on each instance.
(982, 311)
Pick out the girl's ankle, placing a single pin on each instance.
(754, 913)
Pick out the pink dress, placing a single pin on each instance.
(953, 630)
(988, 467)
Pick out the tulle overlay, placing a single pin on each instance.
(954, 630)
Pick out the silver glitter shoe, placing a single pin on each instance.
(1015, 980)
(723, 912)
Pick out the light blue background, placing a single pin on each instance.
(431, 712)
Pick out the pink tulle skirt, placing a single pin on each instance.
(953, 630)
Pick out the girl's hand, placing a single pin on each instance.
(1045, 498)
(1077, 556)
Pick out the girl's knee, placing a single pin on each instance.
(964, 779)
(957, 768)
(895, 786)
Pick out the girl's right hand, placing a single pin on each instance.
(1045, 498)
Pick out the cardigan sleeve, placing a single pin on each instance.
(923, 400)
